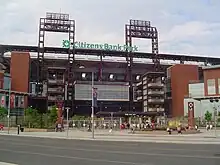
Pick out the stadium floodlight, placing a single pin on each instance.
(111, 76)
(138, 77)
(83, 75)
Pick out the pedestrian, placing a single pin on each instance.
(169, 130)
(110, 130)
(179, 130)
(196, 127)
(207, 127)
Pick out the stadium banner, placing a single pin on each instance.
(95, 96)
(3, 101)
(22, 102)
(105, 46)
(12, 101)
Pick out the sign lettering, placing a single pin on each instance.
(105, 46)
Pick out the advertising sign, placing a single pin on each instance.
(95, 95)
(2, 101)
(105, 46)
(12, 101)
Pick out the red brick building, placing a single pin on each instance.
(179, 77)
(18, 81)
(212, 80)
(20, 67)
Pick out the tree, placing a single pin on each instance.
(53, 115)
(33, 118)
(3, 112)
(208, 116)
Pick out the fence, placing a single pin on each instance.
(41, 121)
(98, 124)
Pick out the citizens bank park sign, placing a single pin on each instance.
(105, 46)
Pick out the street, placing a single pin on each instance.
(45, 151)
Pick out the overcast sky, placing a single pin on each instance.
(185, 26)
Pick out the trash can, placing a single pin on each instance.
(22, 129)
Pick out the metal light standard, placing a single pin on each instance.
(92, 95)
(9, 104)
(67, 116)
(215, 113)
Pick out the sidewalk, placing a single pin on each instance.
(206, 137)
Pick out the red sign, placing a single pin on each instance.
(12, 101)
(191, 122)
(190, 106)
(3, 101)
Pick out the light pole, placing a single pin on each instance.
(215, 113)
(93, 135)
(67, 116)
(92, 94)
(9, 104)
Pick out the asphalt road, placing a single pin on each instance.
(43, 151)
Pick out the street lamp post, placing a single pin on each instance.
(93, 105)
(67, 116)
(9, 105)
(92, 94)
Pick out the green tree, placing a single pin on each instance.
(33, 118)
(208, 116)
(53, 115)
(3, 112)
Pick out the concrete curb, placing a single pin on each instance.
(179, 141)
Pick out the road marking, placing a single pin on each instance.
(122, 152)
(72, 157)
(4, 163)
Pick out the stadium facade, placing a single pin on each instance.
(123, 87)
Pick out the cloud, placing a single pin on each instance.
(186, 27)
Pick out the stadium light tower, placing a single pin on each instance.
(60, 23)
(139, 29)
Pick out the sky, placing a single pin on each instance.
(189, 27)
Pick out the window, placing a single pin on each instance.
(211, 87)
(219, 85)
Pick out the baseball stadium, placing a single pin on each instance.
(120, 79)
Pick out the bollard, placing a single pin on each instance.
(19, 129)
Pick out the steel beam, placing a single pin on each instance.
(57, 50)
